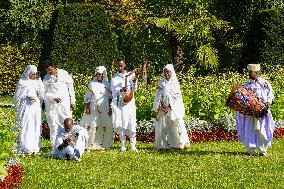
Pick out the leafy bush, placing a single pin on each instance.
(25, 22)
(13, 61)
(82, 38)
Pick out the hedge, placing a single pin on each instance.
(82, 38)
(13, 61)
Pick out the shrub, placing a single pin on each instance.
(13, 61)
(82, 38)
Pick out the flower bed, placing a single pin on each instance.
(14, 178)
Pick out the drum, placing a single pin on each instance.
(247, 102)
(127, 96)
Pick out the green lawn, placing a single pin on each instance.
(204, 165)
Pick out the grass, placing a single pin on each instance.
(204, 165)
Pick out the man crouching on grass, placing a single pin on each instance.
(70, 141)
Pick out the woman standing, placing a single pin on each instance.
(28, 98)
(97, 119)
(170, 131)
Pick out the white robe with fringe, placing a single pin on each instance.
(98, 122)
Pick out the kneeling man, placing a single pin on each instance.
(70, 141)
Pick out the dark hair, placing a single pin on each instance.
(47, 63)
(118, 59)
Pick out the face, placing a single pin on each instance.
(167, 74)
(120, 66)
(33, 76)
(51, 70)
(253, 75)
(68, 125)
(99, 76)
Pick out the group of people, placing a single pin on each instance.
(110, 108)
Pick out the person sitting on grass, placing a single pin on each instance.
(170, 131)
(256, 133)
(70, 141)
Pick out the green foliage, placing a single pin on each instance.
(25, 22)
(13, 61)
(204, 165)
(273, 46)
(82, 38)
(7, 137)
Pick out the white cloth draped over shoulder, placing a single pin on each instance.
(254, 132)
(170, 131)
(123, 114)
(28, 119)
(76, 148)
(98, 122)
(58, 86)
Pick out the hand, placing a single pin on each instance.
(73, 107)
(134, 79)
(124, 89)
(159, 88)
(109, 112)
(167, 110)
(88, 127)
(69, 139)
(57, 100)
(32, 99)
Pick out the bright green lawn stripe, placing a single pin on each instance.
(205, 165)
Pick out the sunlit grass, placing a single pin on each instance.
(204, 165)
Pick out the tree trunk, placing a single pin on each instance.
(177, 52)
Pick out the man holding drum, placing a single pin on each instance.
(256, 133)
(123, 85)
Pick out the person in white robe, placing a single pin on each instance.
(70, 141)
(59, 97)
(97, 118)
(124, 113)
(170, 131)
(28, 99)
(256, 134)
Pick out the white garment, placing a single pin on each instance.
(74, 148)
(28, 118)
(98, 122)
(123, 114)
(257, 132)
(60, 86)
(170, 131)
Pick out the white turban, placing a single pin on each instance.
(102, 70)
(254, 67)
(30, 69)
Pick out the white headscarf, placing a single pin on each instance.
(171, 68)
(172, 87)
(30, 69)
(102, 70)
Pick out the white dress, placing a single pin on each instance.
(170, 131)
(28, 119)
(98, 122)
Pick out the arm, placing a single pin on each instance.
(18, 94)
(70, 85)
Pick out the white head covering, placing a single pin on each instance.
(102, 69)
(254, 67)
(30, 69)
(171, 68)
